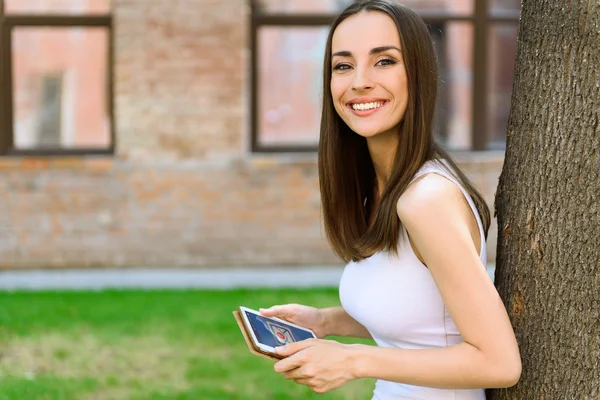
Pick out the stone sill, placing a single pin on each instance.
(271, 159)
(178, 278)
(251, 161)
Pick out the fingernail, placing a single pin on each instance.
(280, 349)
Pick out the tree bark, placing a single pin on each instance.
(548, 203)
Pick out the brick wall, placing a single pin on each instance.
(182, 189)
(179, 78)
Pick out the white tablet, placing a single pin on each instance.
(266, 333)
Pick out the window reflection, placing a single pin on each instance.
(60, 91)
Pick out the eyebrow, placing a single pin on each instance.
(375, 50)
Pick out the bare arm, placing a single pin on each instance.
(437, 218)
(337, 322)
(439, 222)
(462, 366)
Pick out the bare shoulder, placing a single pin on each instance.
(430, 193)
(433, 205)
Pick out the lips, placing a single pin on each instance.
(370, 111)
(367, 106)
(365, 100)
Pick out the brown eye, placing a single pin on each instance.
(341, 67)
(386, 61)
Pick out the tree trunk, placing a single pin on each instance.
(548, 203)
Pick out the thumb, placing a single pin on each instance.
(274, 311)
(292, 348)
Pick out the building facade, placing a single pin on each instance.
(183, 133)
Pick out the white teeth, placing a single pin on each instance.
(367, 106)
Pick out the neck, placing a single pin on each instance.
(382, 149)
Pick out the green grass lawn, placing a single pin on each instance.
(145, 345)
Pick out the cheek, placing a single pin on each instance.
(403, 88)
(337, 94)
(337, 89)
(401, 96)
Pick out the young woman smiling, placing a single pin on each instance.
(407, 221)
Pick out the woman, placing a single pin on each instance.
(408, 222)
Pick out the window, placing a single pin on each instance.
(55, 77)
(49, 126)
(475, 42)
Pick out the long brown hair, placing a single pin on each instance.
(346, 172)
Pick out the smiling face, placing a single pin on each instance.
(368, 84)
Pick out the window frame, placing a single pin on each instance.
(481, 19)
(10, 21)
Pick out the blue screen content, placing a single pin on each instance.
(274, 333)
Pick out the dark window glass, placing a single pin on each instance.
(288, 84)
(454, 42)
(502, 5)
(502, 52)
(290, 68)
(59, 87)
(300, 6)
(452, 7)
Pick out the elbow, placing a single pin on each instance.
(512, 376)
(504, 367)
(516, 373)
(509, 374)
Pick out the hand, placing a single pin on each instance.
(322, 365)
(305, 316)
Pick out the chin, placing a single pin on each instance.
(367, 132)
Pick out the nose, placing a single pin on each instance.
(362, 80)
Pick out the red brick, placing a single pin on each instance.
(182, 190)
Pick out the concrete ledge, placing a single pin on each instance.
(174, 278)
(170, 278)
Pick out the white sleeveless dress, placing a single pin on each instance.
(397, 300)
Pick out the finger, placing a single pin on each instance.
(293, 348)
(275, 311)
(310, 384)
(302, 381)
(294, 374)
(288, 364)
(303, 372)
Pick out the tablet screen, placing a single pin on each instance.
(275, 333)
